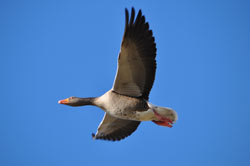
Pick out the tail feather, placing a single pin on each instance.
(166, 112)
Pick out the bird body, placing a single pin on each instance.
(121, 106)
(126, 104)
(131, 108)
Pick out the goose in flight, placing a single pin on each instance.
(126, 104)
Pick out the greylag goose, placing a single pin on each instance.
(126, 104)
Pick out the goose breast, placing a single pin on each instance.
(121, 106)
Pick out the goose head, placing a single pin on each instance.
(77, 101)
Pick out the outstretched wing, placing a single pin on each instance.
(115, 129)
(136, 62)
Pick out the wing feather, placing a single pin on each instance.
(136, 63)
(115, 129)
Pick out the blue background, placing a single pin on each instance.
(51, 50)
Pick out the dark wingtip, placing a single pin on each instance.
(133, 9)
(127, 16)
(132, 16)
(139, 13)
(93, 136)
(143, 19)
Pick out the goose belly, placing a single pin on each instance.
(123, 107)
(146, 115)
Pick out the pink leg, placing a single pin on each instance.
(163, 121)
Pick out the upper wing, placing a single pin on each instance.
(115, 129)
(136, 63)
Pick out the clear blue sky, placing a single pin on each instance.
(51, 50)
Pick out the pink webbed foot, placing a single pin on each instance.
(163, 121)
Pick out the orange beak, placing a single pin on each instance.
(65, 101)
